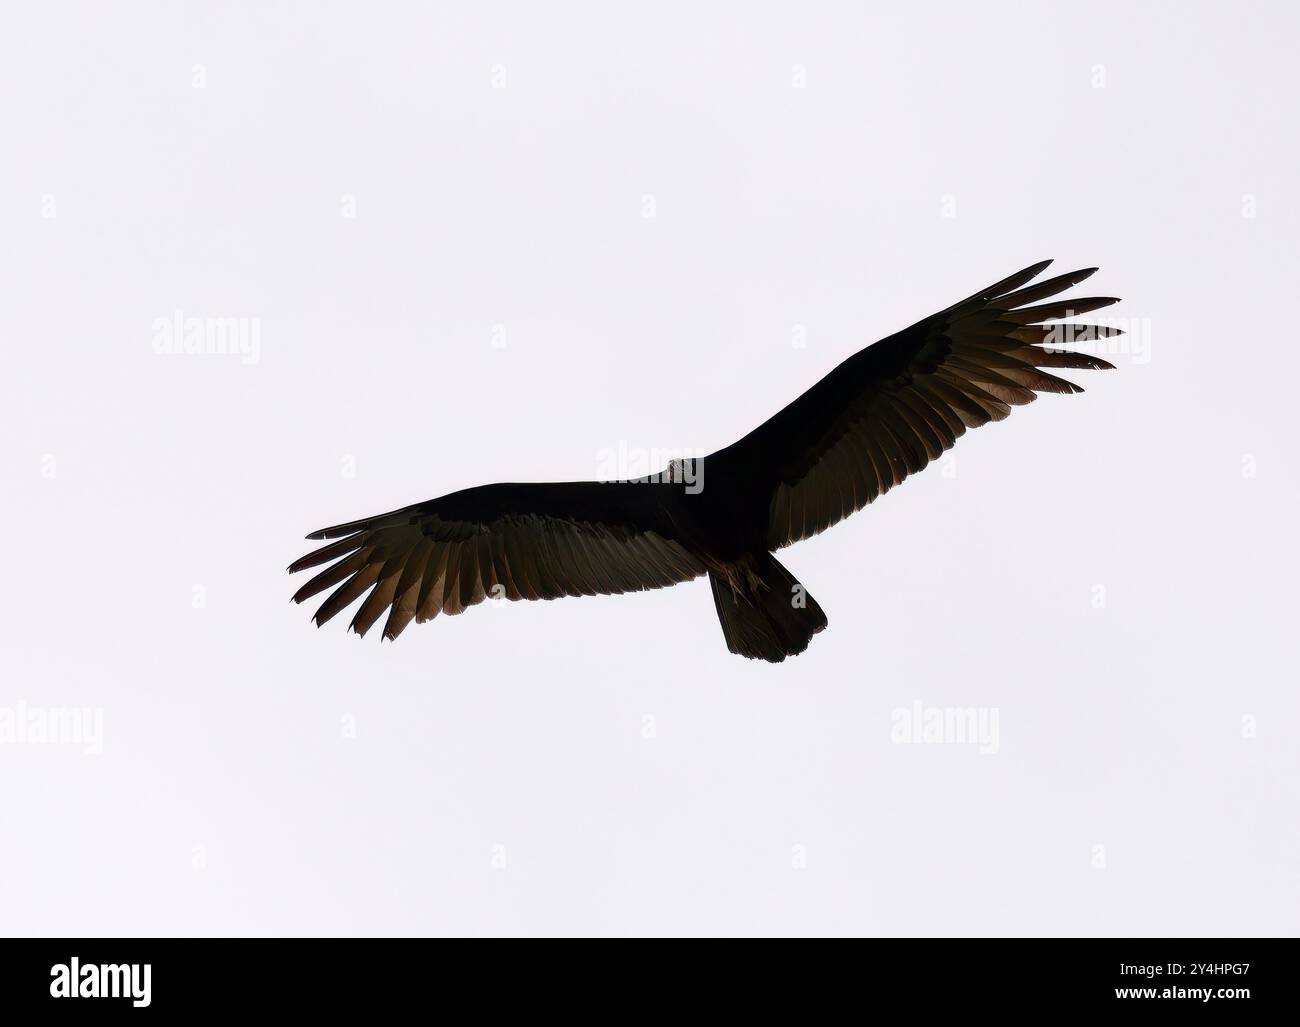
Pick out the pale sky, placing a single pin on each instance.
(500, 242)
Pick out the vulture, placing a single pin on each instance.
(881, 415)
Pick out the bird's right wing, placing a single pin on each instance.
(888, 410)
(526, 541)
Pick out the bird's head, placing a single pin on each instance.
(688, 471)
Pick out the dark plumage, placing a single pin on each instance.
(881, 415)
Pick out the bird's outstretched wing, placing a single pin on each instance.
(887, 411)
(505, 541)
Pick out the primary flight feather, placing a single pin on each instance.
(881, 415)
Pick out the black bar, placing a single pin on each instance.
(625, 978)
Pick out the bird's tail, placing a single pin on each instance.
(765, 613)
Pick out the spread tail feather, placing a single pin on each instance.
(765, 613)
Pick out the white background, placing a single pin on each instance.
(802, 160)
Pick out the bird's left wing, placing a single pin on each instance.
(887, 411)
(509, 541)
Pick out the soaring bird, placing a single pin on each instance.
(881, 415)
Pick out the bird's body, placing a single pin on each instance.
(881, 415)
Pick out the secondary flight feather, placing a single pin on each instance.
(880, 416)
